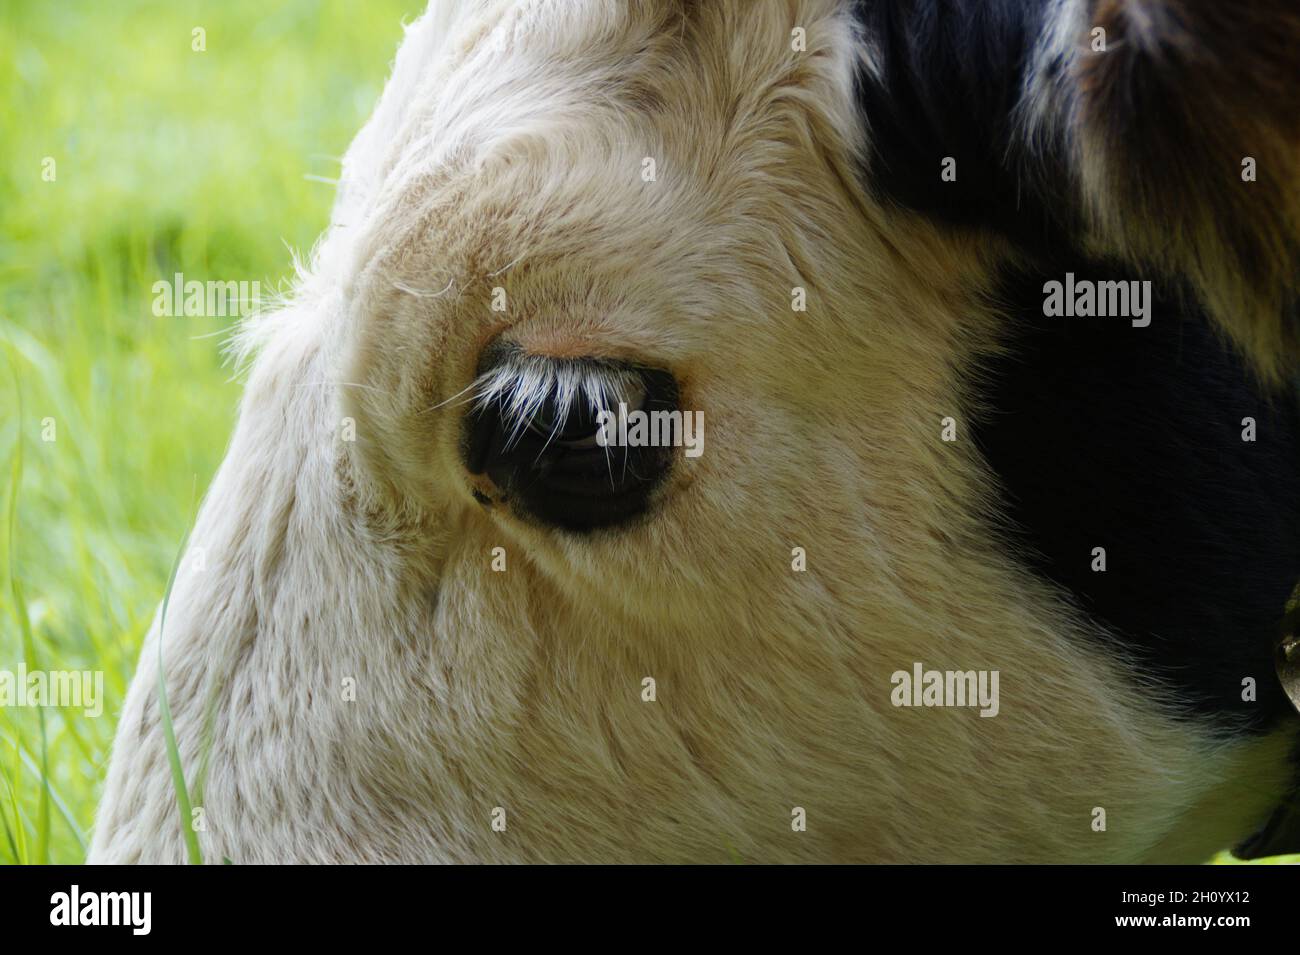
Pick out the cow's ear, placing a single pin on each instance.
(1184, 123)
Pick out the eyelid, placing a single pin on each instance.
(521, 386)
(544, 422)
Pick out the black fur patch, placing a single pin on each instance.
(1103, 435)
(1107, 435)
(949, 78)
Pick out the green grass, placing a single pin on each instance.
(166, 160)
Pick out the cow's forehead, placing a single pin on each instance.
(553, 106)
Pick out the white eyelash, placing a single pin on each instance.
(523, 383)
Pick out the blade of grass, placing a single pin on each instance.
(24, 620)
(192, 848)
(10, 838)
(59, 802)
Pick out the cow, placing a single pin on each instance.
(439, 618)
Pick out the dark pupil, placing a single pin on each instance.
(578, 426)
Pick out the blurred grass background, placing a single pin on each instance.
(166, 160)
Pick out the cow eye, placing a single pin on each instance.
(551, 467)
(578, 425)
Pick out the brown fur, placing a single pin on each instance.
(1184, 91)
